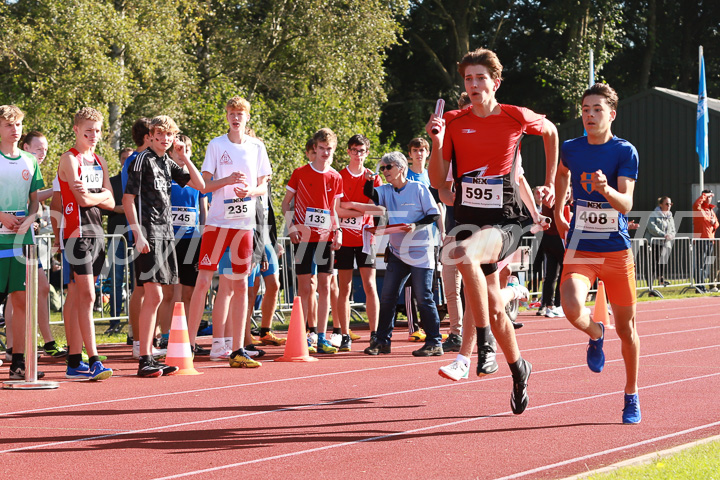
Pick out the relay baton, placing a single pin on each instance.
(439, 110)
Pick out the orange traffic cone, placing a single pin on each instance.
(178, 349)
(601, 308)
(296, 347)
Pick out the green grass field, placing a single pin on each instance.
(697, 463)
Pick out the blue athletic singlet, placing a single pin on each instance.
(596, 226)
(185, 211)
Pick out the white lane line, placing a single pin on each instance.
(443, 425)
(608, 451)
(380, 395)
(343, 372)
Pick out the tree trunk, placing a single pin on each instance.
(651, 42)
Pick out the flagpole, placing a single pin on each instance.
(700, 58)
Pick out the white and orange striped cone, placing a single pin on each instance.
(178, 349)
(601, 308)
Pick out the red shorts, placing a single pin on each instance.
(214, 242)
(615, 269)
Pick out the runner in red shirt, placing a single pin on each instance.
(351, 252)
(314, 231)
(482, 144)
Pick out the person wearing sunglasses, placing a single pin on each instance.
(412, 210)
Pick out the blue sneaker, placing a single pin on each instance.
(595, 354)
(81, 372)
(100, 372)
(631, 412)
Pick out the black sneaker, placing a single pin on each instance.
(254, 352)
(166, 369)
(149, 369)
(453, 343)
(486, 360)
(199, 351)
(517, 325)
(373, 337)
(345, 344)
(376, 349)
(428, 351)
(519, 397)
(55, 350)
(18, 373)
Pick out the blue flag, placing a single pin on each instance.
(701, 132)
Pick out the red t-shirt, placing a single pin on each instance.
(315, 194)
(474, 142)
(353, 192)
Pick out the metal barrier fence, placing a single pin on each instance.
(705, 266)
(687, 262)
(117, 257)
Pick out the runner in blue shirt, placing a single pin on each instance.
(603, 169)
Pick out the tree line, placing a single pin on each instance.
(356, 66)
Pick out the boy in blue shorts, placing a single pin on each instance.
(603, 169)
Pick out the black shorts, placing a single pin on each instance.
(511, 234)
(187, 251)
(85, 255)
(346, 257)
(313, 253)
(157, 266)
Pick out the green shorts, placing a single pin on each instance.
(12, 274)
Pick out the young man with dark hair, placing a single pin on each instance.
(361, 208)
(602, 170)
(480, 145)
(149, 185)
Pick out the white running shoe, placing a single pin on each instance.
(336, 340)
(312, 337)
(519, 292)
(218, 352)
(455, 371)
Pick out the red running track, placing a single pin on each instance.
(354, 416)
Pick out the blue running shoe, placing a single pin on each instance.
(595, 354)
(631, 412)
(82, 372)
(99, 372)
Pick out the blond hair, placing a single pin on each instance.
(163, 123)
(87, 113)
(11, 113)
(238, 103)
